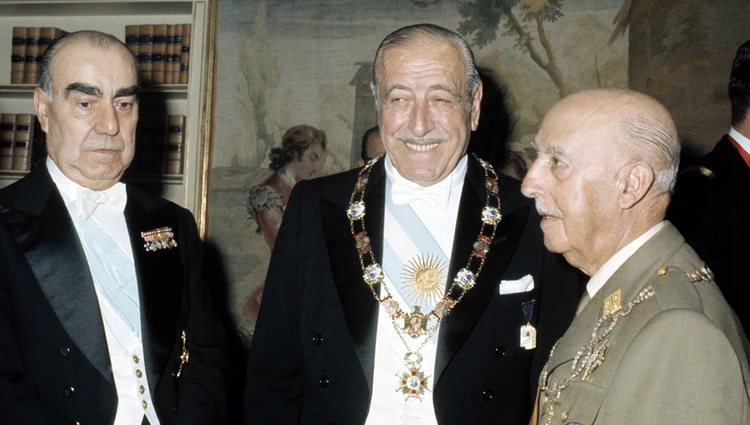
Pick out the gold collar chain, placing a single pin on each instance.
(416, 324)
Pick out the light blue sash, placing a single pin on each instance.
(112, 270)
(422, 239)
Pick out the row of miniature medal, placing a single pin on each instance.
(414, 382)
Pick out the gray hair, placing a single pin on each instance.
(656, 142)
(95, 39)
(409, 34)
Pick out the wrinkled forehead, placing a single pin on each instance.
(422, 55)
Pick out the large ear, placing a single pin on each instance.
(476, 102)
(636, 180)
(41, 105)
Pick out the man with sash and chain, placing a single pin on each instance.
(415, 290)
(654, 341)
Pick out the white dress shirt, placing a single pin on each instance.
(740, 138)
(601, 276)
(387, 405)
(125, 346)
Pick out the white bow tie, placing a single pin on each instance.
(436, 196)
(87, 200)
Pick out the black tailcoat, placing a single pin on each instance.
(311, 360)
(54, 360)
(711, 208)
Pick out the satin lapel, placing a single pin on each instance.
(160, 277)
(460, 322)
(51, 246)
(357, 302)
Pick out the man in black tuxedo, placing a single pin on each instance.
(711, 205)
(416, 289)
(104, 315)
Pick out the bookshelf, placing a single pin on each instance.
(191, 100)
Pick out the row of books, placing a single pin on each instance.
(163, 52)
(29, 43)
(16, 140)
(160, 141)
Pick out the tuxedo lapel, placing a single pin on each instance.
(51, 246)
(160, 277)
(357, 302)
(461, 321)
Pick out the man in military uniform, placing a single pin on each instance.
(654, 341)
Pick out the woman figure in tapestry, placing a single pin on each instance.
(298, 158)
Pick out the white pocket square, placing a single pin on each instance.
(524, 284)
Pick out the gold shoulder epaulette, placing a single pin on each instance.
(704, 274)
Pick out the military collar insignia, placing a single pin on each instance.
(612, 303)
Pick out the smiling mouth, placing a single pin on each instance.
(421, 148)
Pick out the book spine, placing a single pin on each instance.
(179, 30)
(158, 60)
(145, 52)
(22, 142)
(7, 128)
(18, 55)
(31, 57)
(185, 54)
(169, 59)
(46, 36)
(131, 39)
(173, 158)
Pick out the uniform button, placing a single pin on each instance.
(317, 339)
(68, 392)
(138, 373)
(136, 359)
(64, 351)
(500, 351)
(144, 403)
(324, 381)
(564, 416)
(488, 395)
(141, 389)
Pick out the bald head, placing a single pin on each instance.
(641, 126)
(606, 163)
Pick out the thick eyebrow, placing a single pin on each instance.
(127, 91)
(443, 87)
(397, 87)
(96, 91)
(83, 88)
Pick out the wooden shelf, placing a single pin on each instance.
(193, 100)
(82, 8)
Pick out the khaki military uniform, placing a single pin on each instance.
(657, 344)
